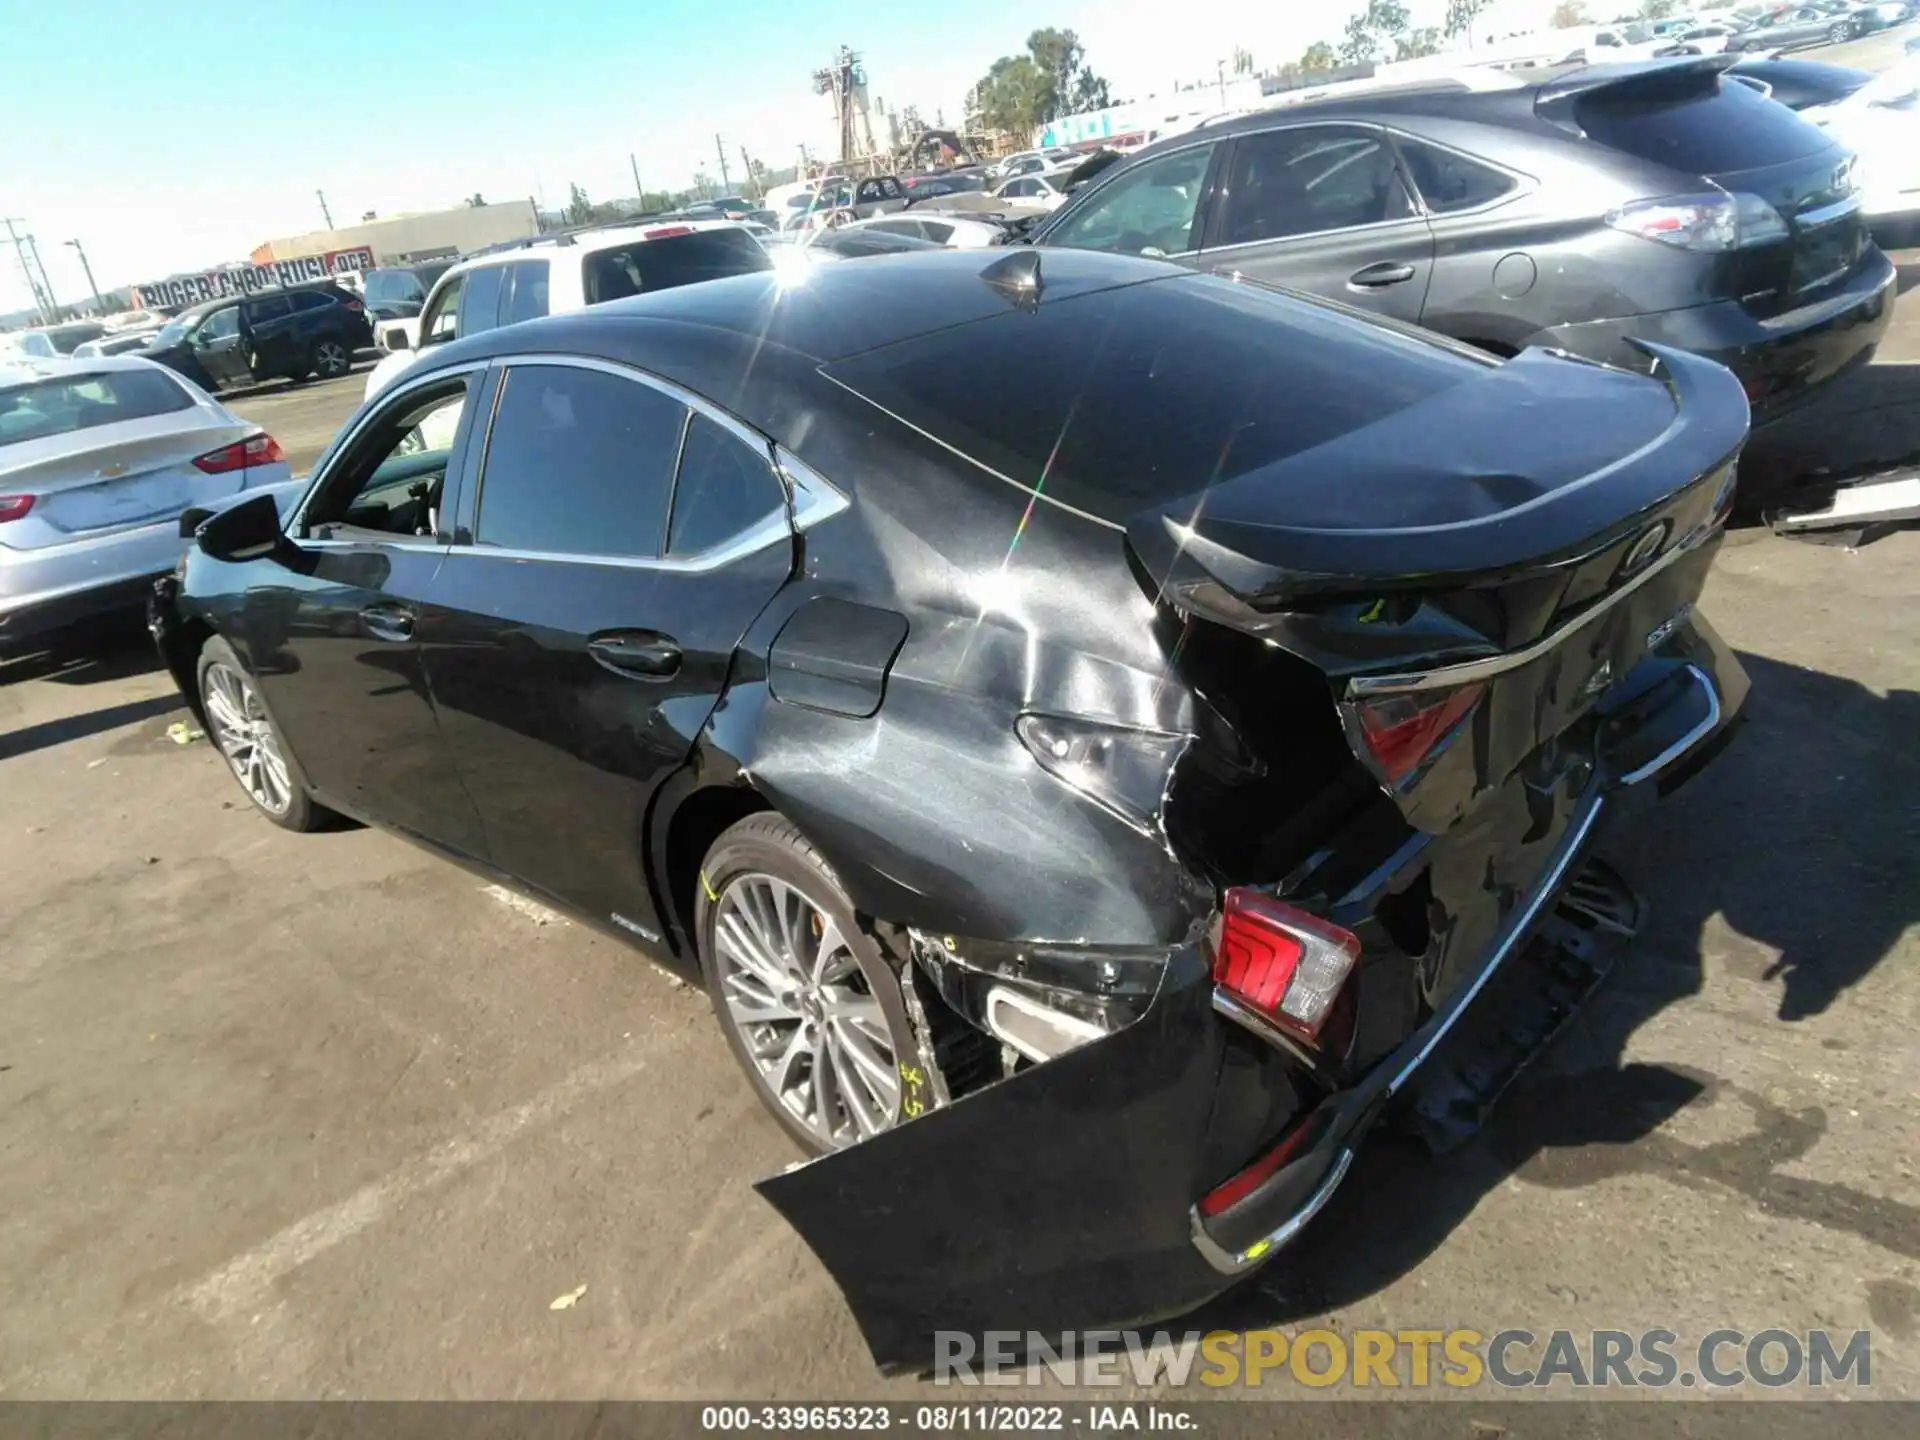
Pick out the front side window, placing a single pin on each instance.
(1309, 180)
(1449, 181)
(580, 462)
(442, 320)
(724, 488)
(392, 480)
(219, 325)
(1147, 209)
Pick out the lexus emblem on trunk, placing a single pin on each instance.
(1640, 554)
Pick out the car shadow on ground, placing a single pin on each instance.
(109, 647)
(1864, 423)
(363, 361)
(1806, 852)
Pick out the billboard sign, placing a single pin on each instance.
(230, 280)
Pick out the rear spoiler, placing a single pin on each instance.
(1674, 78)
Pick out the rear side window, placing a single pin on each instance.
(937, 231)
(526, 292)
(480, 302)
(677, 260)
(724, 487)
(85, 402)
(1723, 131)
(1135, 396)
(580, 462)
(269, 307)
(310, 300)
(1449, 181)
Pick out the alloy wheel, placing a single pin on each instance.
(246, 737)
(802, 1006)
(331, 358)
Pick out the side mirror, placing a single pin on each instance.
(246, 531)
(396, 339)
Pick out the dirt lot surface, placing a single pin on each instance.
(322, 1116)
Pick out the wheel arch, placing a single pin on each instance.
(686, 830)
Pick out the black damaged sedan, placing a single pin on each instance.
(1100, 732)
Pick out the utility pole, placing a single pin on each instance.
(53, 305)
(746, 160)
(325, 214)
(33, 281)
(98, 304)
(638, 189)
(726, 180)
(1223, 84)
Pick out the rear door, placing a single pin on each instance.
(621, 542)
(271, 335)
(1323, 208)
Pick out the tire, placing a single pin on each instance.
(835, 1012)
(330, 358)
(240, 729)
(1839, 33)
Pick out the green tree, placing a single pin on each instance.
(1374, 32)
(476, 200)
(1090, 92)
(1242, 63)
(1416, 43)
(579, 209)
(1567, 14)
(1318, 59)
(1015, 94)
(1058, 55)
(1461, 14)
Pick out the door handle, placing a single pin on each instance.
(388, 622)
(642, 654)
(1386, 272)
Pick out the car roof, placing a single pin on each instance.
(589, 240)
(711, 336)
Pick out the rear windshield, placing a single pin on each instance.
(1718, 132)
(84, 402)
(395, 286)
(1132, 397)
(651, 265)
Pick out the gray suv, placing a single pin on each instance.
(1615, 203)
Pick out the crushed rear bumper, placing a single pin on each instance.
(1067, 1196)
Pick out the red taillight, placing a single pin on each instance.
(665, 231)
(1401, 731)
(12, 507)
(355, 306)
(254, 450)
(1229, 1193)
(1281, 961)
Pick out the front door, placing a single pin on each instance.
(1325, 209)
(332, 638)
(269, 326)
(584, 626)
(219, 346)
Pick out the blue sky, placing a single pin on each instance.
(178, 133)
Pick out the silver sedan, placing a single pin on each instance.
(98, 459)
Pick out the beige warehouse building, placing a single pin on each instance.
(430, 235)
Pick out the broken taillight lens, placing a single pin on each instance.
(1401, 731)
(1281, 961)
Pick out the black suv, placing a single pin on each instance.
(311, 330)
(1653, 201)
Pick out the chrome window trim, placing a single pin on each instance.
(1827, 214)
(1445, 676)
(369, 416)
(810, 497)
